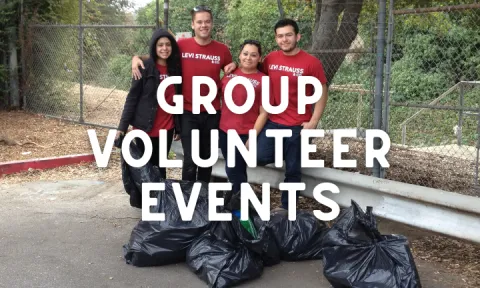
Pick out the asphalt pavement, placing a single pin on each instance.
(71, 233)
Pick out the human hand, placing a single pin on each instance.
(229, 68)
(309, 125)
(246, 144)
(176, 137)
(137, 62)
(118, 139)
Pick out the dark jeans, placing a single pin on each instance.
(238, 174)
(291, 154)
(205, 123)
(155, 159)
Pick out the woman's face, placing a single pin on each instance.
(249, 56)
(164, 48)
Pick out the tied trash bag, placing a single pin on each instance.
(300, 239)
(156, 243)
(355, 254)
(270, 253)
(133, 177)
(227, 254)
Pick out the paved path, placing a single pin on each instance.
(71, 233)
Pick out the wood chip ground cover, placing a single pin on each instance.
(64, 138)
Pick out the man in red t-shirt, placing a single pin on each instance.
(201, 56)
(293, 62)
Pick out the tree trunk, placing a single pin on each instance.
(328, 34)
(280, 9)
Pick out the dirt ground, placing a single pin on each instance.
(447, 173)
(26, 136)
(54, 138)
(102, 105)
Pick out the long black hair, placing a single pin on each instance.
(174, 64)
(259, 47)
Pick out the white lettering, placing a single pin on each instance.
(278, 135)
(248, 195)
(102, 159)
(213, 201)
(205, 100)
(147, 202)
(338, 148)
(304, 100)
(177, 99)
(317, 194)
(196, 149)
(234, 141)
(250, 95)
(266, 96)
(137, 133)
(308, 148)
(379, 154)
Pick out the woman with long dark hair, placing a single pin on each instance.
(141, 109)
(250, 68)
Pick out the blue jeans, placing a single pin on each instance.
(238, 174)
(291, 154)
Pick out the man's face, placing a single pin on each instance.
(202, 24)
(286, 38)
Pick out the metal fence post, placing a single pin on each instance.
(460, 117)
(80, 40)
(377, 110)
(157, 13)
(22, 53)
(388, 68)
(165, 13)
(478, 148)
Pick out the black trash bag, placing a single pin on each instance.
(134, 177)
(300, 239)
(226, 255)
(156, 243)
(270, 253)
(270, 250)
(355, 254)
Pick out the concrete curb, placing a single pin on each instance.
(43, 163)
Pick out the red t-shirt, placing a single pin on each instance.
(163, 120)
(276, 65)
(242, 123)
(198, 60)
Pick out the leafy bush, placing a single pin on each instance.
(432, 58)
(119, 72)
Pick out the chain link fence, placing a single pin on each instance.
(431, 75)
(349, 61)
(434, 96)
(86, 83)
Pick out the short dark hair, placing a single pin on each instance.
(252, 42)
(286, 22)
(201, 8)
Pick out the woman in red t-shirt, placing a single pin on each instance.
(250, 68)
(141, 109)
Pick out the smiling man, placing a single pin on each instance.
(290, 61)
(201, 56)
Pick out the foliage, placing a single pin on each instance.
(428, 59)
(260, 16)
(431, 52)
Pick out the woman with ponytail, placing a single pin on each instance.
(250, 68)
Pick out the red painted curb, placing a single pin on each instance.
(43, 163)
